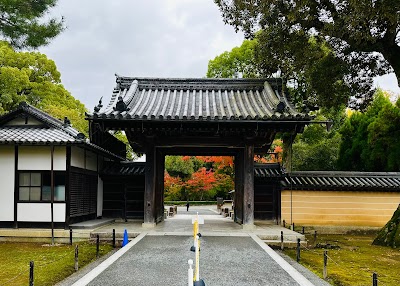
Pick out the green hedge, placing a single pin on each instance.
(192, 203)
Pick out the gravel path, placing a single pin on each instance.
(162, 260)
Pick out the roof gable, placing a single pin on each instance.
(27, 124)
(23, 120)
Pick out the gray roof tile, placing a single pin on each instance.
(319, 180)
(34, 135)
(199, 99)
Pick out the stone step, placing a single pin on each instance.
(92, 224)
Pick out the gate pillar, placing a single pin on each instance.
(149, 220)
(248, 186)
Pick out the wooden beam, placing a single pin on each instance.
(248, 186)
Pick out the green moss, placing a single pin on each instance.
(354, 262)
(52, 263)
(389, 235)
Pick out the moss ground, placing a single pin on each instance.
(354, 261)
(52, 263)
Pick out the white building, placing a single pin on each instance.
(48, 171)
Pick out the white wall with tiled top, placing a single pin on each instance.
(7, 178)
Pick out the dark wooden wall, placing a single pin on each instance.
(82, 194)
(267, 200)
(123, 197)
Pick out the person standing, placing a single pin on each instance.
(187, 206)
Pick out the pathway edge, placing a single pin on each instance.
(106, 263)
(296, 275)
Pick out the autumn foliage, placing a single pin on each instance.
(214, 176)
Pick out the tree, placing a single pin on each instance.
(179, 166)
(32, 77)
(370, 139)
(23, 23)
(240, 61)
(364, 37)
(201, 182)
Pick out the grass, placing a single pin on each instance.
(51, 263)
(354, 262)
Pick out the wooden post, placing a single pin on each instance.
(159, 194)
(325, 271)
(150, 185)
(70, 236)
(76, 258)
(248, 184)
(281, 240)
(97, 245)
(52, 194)
(238, 187)
(113, 241)
(374, 279)
(298, 250)
(31, 278)
(315, 238)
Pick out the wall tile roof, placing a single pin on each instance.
(318, 180)
(312, 180)
(200, 100)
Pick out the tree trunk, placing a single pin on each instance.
(392, 55)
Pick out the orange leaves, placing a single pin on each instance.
(220, 161)
(202, 180)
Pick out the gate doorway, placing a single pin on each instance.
(229, 117)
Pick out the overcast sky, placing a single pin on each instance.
(153, 38)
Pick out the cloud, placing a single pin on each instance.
(135, 38)
(154, 38)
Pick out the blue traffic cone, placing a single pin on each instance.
(125, 241)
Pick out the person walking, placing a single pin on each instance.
(187, 206)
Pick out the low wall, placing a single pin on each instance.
(345, 208)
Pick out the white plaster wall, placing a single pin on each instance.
(34, 158)
(60, 158)
(99, 196)
(39, 158)
(91, 161)
(77, 157)
(7, 167)
(40, 212)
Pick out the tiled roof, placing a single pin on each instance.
(312, 180)
(34, 135)
(53, 131)
(200, 100)
(273, 170)
(123, 169)
(342, 180)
